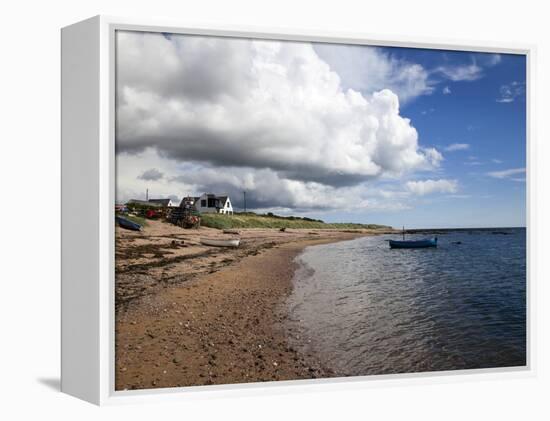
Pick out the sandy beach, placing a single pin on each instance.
(188, 314)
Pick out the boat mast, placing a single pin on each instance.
(403, 232)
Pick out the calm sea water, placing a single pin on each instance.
(367, 309)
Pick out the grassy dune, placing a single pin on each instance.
(252, 220)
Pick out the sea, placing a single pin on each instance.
(366, 309)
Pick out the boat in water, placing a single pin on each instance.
(221, 242)
(126, 223)
(413, 244)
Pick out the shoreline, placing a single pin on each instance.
(221, 326)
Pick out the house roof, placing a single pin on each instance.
(164, 202)
(222, 198)
(217, 196)
(189, 198)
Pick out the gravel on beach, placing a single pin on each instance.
(188, 314)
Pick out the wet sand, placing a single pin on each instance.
(189, 314)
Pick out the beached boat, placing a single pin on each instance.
(221, 242)
(414, 244)
(126, 223)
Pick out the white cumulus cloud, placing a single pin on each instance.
(368, 69)
(258, 105)
(463, 72)
(424, 187)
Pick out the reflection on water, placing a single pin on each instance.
(367, 309)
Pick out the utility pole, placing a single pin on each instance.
(147, 195)
(244, 196)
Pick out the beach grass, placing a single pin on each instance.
(253, 220)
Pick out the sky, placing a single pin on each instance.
(395, 136)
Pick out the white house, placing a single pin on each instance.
(212, 203)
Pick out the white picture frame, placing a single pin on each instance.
(88, 195)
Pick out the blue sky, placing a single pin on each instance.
(483, 114)
(397, 136)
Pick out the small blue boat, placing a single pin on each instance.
(414, 244)
(126, 223)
